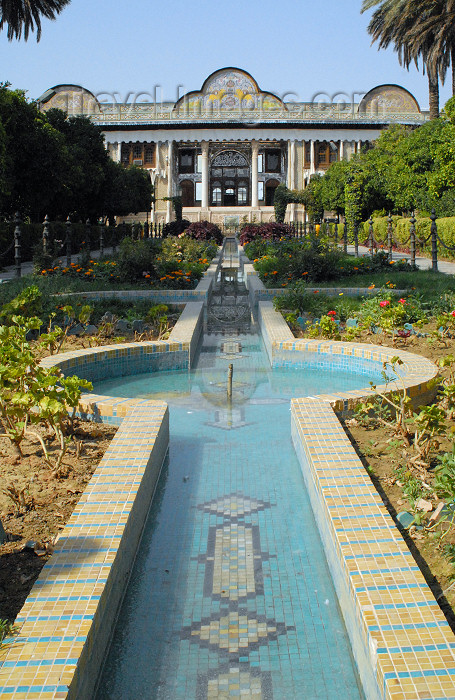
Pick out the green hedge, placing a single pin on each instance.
(446, 231)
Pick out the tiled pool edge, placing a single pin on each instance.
(66, 621)
(417, 374)
(403, 645)
(110, 515)
(400, 638)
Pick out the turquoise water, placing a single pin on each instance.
(230, 595)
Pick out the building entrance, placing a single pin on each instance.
(230, 180)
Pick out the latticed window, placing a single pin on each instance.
(126, 154)
(273, 161)
(149, 154)
(242, 194)
(216, 194)
(186, 161)
(322, 153)
(308, 152)
(137, 150)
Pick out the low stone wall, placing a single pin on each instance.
(402, 643)
(67, 620)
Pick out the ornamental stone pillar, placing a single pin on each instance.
(341, 149)
(117, 151)
(205, 174)
(312, 168)
(170, 189)
(254, 174)
(291, 175)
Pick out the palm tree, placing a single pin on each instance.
(438, 24)
(397, 22)
(25, 15)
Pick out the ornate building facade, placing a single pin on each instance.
(226, 147)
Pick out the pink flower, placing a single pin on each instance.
(384, 303)
(402, 301)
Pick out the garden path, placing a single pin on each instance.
(447, 268)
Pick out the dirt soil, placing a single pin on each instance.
(382, 455)
(35, 504)
(34, 517)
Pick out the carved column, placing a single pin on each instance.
(254, 174)
(205, 175)
(170, 189)
(117, 151)
(291, 175)
(341, 149)
(312, 168)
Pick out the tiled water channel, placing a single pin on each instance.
(231, 595)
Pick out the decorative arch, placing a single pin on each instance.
(73, 99)
(388, 99)
(229, 159)
(229, 179)
(229, 90)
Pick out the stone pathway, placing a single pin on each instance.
(448, 268)
(9, 272)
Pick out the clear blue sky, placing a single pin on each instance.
(289, 47)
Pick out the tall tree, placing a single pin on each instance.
(437, 24)
(25, 15)
(397, 22)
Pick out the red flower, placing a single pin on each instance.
(332, 313)
(402, 301)
(384, 303)
(452, 313)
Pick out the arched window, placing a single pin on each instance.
(230, 174)
(216, 194)
(187, 193)
(242, 194)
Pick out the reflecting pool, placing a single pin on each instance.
(230, 595)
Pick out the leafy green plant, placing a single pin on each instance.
(27, 303)
(429, 422)
(7, 629)
(444, 481)
(412, 486)
(447, 390)
(398, 400)
(30, 393)
(326, 327)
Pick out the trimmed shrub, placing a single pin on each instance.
(268, 232)
(446, 231)
(175, 228)
(204, 231)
